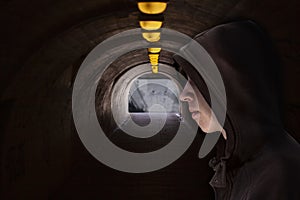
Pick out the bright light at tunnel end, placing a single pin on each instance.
(83, 102)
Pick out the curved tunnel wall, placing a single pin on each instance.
(44, 43)
(39, 148)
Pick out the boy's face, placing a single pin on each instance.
(201, 112)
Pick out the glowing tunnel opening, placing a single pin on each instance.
(149, 93)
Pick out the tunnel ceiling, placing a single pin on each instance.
(28, 27)
(32, 28)
(43, 43)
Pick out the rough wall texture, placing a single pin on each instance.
(43, 44)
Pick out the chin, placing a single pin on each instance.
(205, 129)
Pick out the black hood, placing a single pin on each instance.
(249, 69)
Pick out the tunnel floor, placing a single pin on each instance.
(181, 180)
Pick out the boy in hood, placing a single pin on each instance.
(256, 158)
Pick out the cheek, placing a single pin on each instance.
(206, 123)
(204, 109)
(202, 105)
(194, 105)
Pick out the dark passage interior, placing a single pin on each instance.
(43, 44)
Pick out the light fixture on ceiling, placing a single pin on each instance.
(154, 69)
(152, 7)
(153, 58)
(151, 20)
(150, 25)
(151, 36)
(154, 50)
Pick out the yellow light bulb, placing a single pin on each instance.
(154, 59)
(154, 63)
(154, 50)
(152, 37)
(150, 25)
(152, 7)
(154, 69)
(153, 56)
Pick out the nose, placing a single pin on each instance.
(185, 95)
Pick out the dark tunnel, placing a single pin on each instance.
(44, 43)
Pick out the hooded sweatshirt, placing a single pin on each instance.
(259, 160)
